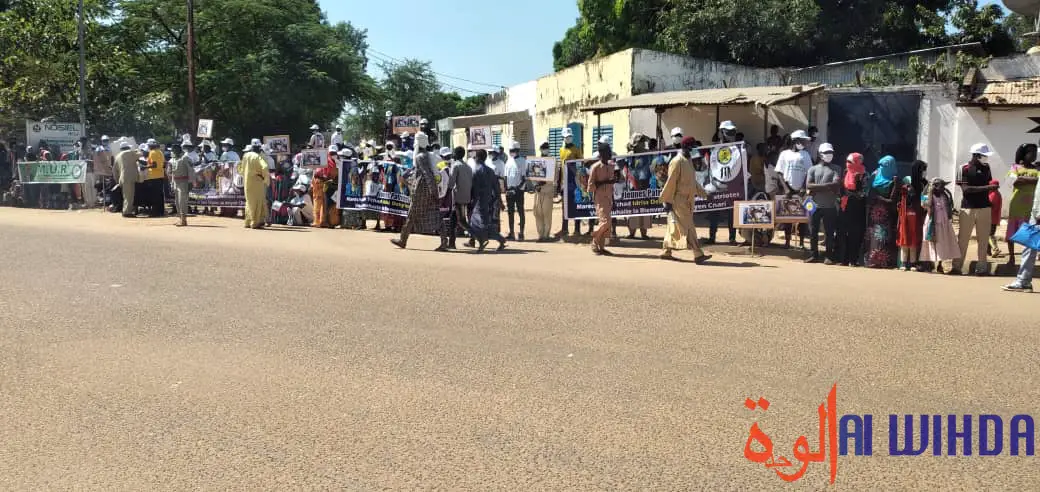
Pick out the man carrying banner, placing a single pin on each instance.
(569, 152)
(424, 214)
(678, 196)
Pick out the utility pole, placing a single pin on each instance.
(191, 66)
(82, 73)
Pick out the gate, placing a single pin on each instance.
(875, 124)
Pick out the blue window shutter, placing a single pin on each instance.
(600, 131)
(496, 138)
(555, 141)
(577, 129)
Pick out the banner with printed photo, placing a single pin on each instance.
(640, 178)
(541, 169)
(205, 129)
(480, 137)
(408, 124)
(216, 186)
(314, 158)
(374, 186)
(52, 172)
(279, 144)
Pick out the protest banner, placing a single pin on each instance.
(790, 210)
(541, 169)
(640, 178)
(215, 187)
(279, 144)
(60, 137)
(205, 129)
(379, 187)
(758, 214)
(314, 158)
(52, 172)
(408, 124)
(480, 137)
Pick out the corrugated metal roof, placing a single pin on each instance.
(764, 96)
(1021, 92)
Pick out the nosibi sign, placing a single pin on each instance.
(60, 137)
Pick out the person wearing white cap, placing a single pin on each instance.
(155, 180)
(569, 152)
(301, 206)
(128, 175)
(974, 179)
(103, 161)
(256, 178)
(727, 134)
(677, 136)
(182, 169)
(424, 215)
(678, 195)
(337, 137)
(639, 173)
(824, 184)
(793, 167)
(317, 140)
(515, 178)
(601, 181)
(543, 199)
(229, 154)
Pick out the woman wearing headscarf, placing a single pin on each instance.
(852, 213)
(882, 199)
(939, 240)
(911, 216)
(1025, 174)
(424, 213)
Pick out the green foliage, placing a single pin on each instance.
(262, 66)
(408, 88)
(917, 71)
(770, 33)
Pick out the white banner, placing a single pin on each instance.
(60, 137)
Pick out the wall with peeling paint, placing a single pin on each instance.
(654, 71)
(561, 96)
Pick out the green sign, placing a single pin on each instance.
(52, 172)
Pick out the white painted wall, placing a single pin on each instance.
(653, 71)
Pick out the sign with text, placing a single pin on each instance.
(52, 172)
(60, 137)
(641, 177)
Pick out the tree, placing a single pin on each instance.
(769, 33)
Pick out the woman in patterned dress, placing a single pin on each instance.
(882, 198)
(1025, 175)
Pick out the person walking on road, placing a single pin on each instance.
(601, 187)
(543, 201)
(460, 182)
(424, 213)
(678, 197)
(1024, 281)
(487, 202)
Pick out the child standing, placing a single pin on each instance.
(996, 203)
(940, 242)
(911, 216)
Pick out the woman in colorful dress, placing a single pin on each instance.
(881, 233)
(940, 242)
(1025, 173)
(911, 217)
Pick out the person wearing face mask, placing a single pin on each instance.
(793, 167)
(317, 140)
(515, 170)
(256, 180)
(569, 152)
(974, 180)
(183, 172)
(601, 182)
(727, 134)
(424, 215)
(677, 138)
(543, 201)
(640, 172)
(678, 197)
(824, 184)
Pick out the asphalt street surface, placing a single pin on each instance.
(140, 356)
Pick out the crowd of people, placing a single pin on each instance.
(875, 219)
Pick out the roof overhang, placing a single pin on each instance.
(489, 119)
(740, 96)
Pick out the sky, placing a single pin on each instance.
(490, 44)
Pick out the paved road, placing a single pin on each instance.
(141, 356)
